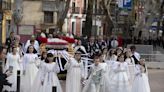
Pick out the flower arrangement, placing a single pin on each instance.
(68, 39)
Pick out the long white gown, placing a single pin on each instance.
(110, 63)
(98, 81)
(30, 62)
(37, 81)
(14, 61)
(75, 73)
(131, 65)
(141, 82)
(119, 81)
(49, 77)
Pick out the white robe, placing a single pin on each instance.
(141, 82)
(112, 58)
(75, 73)
(98, 81)
(131, 65)
(110, 63)
(14, 61)
(36, 45)
(119, 81)
(49, 77)
(80, 47)
(30, 62)
(37, 81)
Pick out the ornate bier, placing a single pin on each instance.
(61, 48)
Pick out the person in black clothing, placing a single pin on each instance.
(91, 47)
(101, 43)
(163, 42)
(10, 40)
(3, 76)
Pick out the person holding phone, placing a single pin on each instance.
(12, 65)
(3, 76)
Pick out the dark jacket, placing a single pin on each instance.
(3, 77)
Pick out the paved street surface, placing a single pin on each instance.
(156, 79)
(63, 82)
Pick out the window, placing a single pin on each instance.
(48, 17)
(73, 6)
(83, 27)
(85, 7)
(73, 27)
(6, 4)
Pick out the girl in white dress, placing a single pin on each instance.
(30, 69)
(105, 54)
(75, 73)
(112, 58)
(111, 55)
(19, 48)
(49, 77)
(13, 65)
(128, 58)
(97, 81)
(131, 65)
(120, 79)
(37, 82)
(141, 82)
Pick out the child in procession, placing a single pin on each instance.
(97, 81)
(30, 69)
(49, 77)
(141, 82)
(120, 79)
(75, 73)
(37, 82)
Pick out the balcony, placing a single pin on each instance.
(75, 10)
(98, 12)
(6, 4)
(54, 6)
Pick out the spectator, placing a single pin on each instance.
(33, 42)
(101, 43)
(10, 40)
(120, 41)
(163, 42)
(114, 43)
(80, 47)
(136, 56)
(91, 47)
(3, 76)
